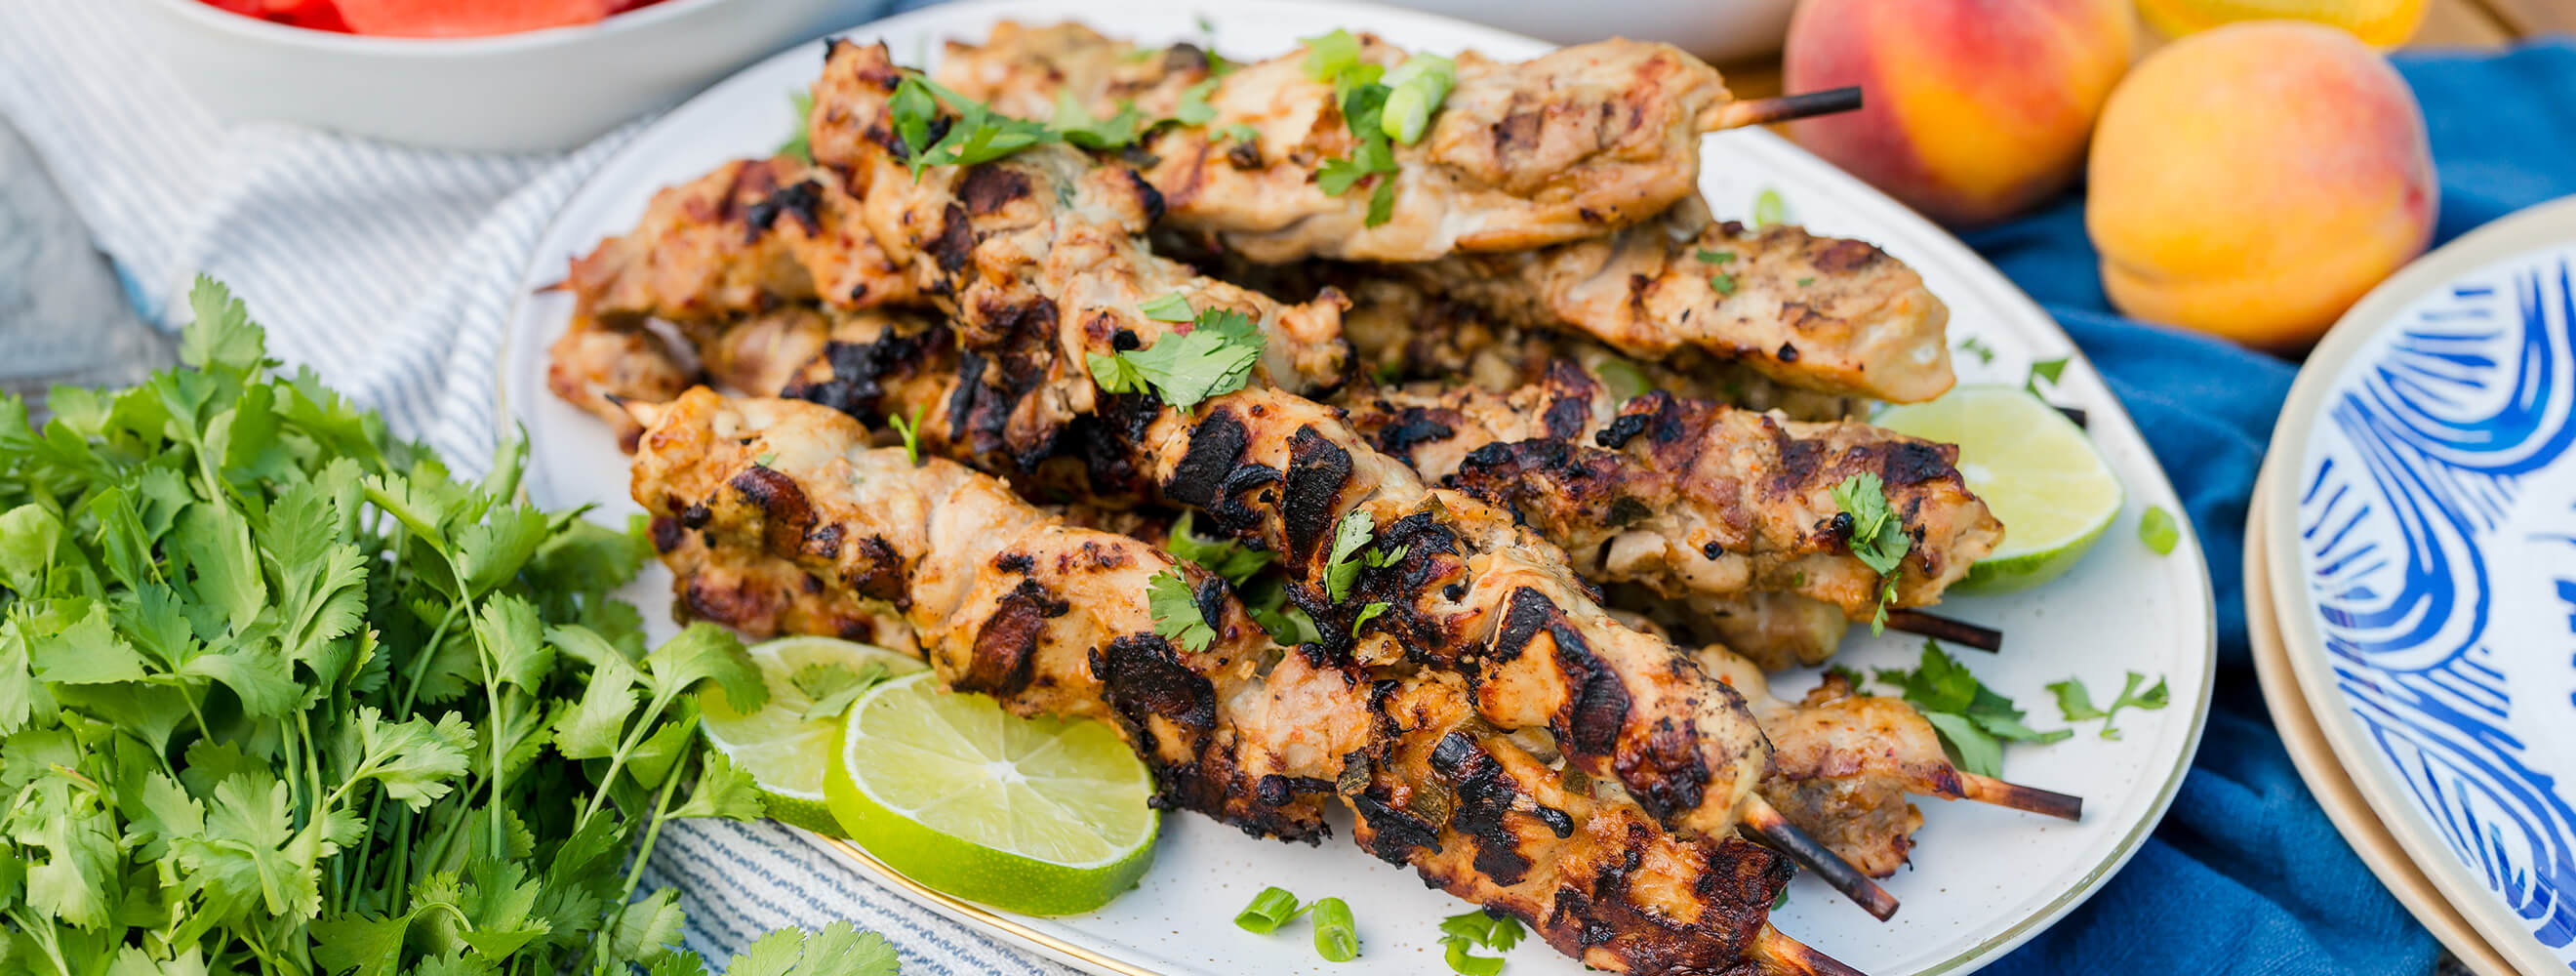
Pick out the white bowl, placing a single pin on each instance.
(538, 90)
(1718, 30)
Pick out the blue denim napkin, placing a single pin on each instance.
(2246, 875)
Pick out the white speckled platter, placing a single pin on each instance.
(1983, 881)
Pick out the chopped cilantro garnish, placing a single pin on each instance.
(1077, 126)
(2077, 704)
(833, 686)
(1171, 307)
(1194, 108)
(1367, 613)
(1723, 283)
(1176, 611)
(910, 429)
(1972, 719)
(1354, 532)
(2046, 369)
(1707, 256)
(1212, 359)
(1978, 348)
(978, 135)
(1877, 537)
(1230, 559)
(1804, 282)
(797, 145)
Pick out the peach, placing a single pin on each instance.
(2253, 180)
(1972, 109)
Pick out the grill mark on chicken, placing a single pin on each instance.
(987, 188)
(798, 200)
(1008, 641)
(1311, 491)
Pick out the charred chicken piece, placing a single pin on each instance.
(1821, 313)
(745, 237)
(1010, 601)
(1690, 498)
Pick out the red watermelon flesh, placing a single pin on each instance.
(468, 18)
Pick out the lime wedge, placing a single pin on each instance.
(2038, 472)
(784, 751)
(1033, 815)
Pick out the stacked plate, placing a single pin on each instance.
(2410, 568)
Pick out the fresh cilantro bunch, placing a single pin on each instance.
(278, 694)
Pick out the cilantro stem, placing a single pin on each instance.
(652, 830)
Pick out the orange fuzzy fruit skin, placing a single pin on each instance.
(1972, 109)
(2254, 180)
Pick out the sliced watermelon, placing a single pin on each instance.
(314, 14)
(468, 18)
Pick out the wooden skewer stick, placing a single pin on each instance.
(1762, 111)
(1946, 628)
(1785, 837)
(1986, 789)
(1779, 955)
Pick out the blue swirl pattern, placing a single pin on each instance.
(2415, 511)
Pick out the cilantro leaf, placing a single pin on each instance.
(798, 146)
(2077, 705)
(833, 686)
(1176, 611)
(1227, 558)
(1341, 569)
(1170, 307)
(2046, 369)
(1214, 358)
(1972, 719)
(1877, 537)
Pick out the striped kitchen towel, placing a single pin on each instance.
(389, 271)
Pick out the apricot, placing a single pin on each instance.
(1972, 109)
(2254, 180)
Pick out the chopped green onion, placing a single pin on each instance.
(1169, 308)
(2156, 528)
(1269, 910)
(1420, 84)
(1337, 938)
(1769, 208)
(1329, 55)
(1463, 964)
(1407, 114)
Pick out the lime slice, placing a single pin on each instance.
(1033, 815)
(784, 751)
(2034, 468)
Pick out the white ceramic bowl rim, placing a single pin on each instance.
(266, 31)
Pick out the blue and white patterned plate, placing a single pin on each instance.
(2422, 528)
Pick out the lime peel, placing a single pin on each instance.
(2038, 472)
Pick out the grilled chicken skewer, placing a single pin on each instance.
(1569, 145)
(1827, 314)
(1007, 600)
(1688, 497)
(1471, 591)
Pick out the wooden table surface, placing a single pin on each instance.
(2447, 24)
